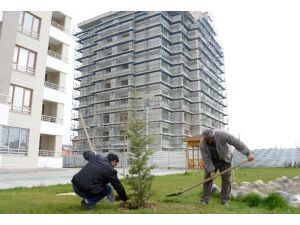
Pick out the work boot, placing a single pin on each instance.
(110, 197)
(203, 202)
(225, 203)
(85, 205)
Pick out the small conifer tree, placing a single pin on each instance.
(140, 179)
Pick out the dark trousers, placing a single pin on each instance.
(93, 200)
(226, 182)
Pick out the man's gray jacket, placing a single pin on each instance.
(223, 140)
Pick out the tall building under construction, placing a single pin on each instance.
(172, 59)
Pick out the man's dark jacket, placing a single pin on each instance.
(95, 175)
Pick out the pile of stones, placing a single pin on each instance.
(287, 188)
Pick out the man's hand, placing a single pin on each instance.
(250, 157)
(212, 174)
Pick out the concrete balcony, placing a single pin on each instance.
(57, 62)
(54, 93)
(51, 125)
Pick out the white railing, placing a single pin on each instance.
(4, 150)
(49, 153)
(60, 27)
(29, 33)
(3, 99)
(57, 56)
(51, 119)
(23, 69)
(53, 86)
(22, 109)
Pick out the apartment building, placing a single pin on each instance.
(172, 59)
(35, 89)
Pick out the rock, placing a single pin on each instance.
(245, 183)
(294, 200)
(296, 178)
(283, 194)
(241, 194)
(259, 184)
(234, 186)
(215, 189)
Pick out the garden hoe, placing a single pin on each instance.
(208, 179)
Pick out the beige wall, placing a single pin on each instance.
(7, 43)
(36, 83)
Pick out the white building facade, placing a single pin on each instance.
(35, 89)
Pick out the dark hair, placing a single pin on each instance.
(112, 157)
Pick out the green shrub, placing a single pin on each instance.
(252, 200)
(274, 201)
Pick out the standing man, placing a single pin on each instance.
(217, 155)
(91, 182)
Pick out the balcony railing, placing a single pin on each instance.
(53, 86)
(27, 70)
(29, 33)
(57, 56)
(4, 150)
(3, 99)
(20, 109)
(51, 119)
(49, 153)
(60, 27)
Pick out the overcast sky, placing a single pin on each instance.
(261, 43)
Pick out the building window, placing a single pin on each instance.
(20, 99)
(125, 35)
(105, 136)
(109, 39)
(123, 117)
(106, 104)
(124, 82)
(29, 24)
(166, 115)
(123, 135)
(106, 118)
(107, 84)
(108, 70)
(124, 101)
(24, 60)
(125, 67)
(13, 140)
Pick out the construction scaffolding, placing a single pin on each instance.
(171, 56)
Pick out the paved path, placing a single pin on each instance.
(11, 178)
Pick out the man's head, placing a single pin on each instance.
(113, 159)
(208, 135)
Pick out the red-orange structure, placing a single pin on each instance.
(194, 161)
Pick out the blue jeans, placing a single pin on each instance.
(93, 200)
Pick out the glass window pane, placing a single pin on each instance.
(16, 54)
(31, 60)
(24, 136)
(23, 55)
(3, 137)
(27, 97)
(21, 18)
(18, 98)
(14, 134)
(28, 19)
(36, 23)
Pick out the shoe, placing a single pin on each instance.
(203, 202)
(110, 197)
(85, 205)
(225, 203)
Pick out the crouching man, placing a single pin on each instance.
(92, 181)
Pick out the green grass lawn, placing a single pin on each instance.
(45, 200)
